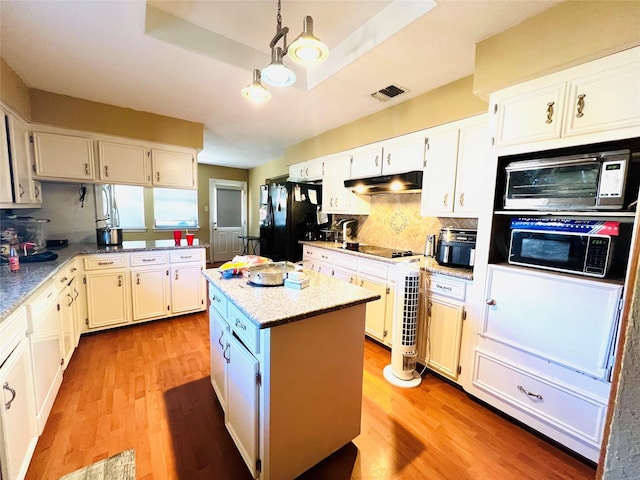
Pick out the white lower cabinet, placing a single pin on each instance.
(235, 375)
(141, 286)
(44, 333)
(18, 430)
(149, 292)
(108, 298)
(441, 327)
(374, 275)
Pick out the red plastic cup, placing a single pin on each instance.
(190, 238)
(177, 236)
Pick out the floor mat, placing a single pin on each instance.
(118, 467)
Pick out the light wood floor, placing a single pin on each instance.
(147, 387)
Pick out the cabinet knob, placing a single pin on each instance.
(491, 302)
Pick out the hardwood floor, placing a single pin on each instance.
(147, 387)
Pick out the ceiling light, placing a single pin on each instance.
(255, 91)
(308, 49)
(276, 73)
(305, 50)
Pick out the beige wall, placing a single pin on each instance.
(445, 104)
(13, 92)
(75, 113)
(569, 34)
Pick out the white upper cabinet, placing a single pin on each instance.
(123, 163)
(173, 169)
(366, 161)
(63, 157)
(6, 195)
(455, 169)
(404, 154)
(21, 159)
(594, 98)
(396, 155)
(336, 198)
(310, 170)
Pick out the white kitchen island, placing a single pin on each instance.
(286, 366)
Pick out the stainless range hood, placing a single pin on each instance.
(409, 182)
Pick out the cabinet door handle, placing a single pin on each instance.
(119, 280)
(21, 190)
(224, 353)
(157, 176)
(531, 394)
(461, 199)
(106, 171)
(70, 300)
(37, 191)
(240, 325)
(491, 302)
(445, 200)
(176, 275)
(220, 340)
(6, 386)
(580, 105)
(86, 169)
(376, 160)
(549, 112)
(137, 279)
(388, 159)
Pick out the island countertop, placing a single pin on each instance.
(271, 306)
(15, 287)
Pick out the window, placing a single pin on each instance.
(174, 208)
(129, 202)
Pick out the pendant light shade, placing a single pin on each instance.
(307, 49)
(255, 91)
(276, 73)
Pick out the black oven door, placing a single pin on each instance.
(563, 252)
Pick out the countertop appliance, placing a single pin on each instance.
(593, 181)
(289, 209)
(456, 247)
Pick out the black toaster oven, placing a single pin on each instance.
(456, 247)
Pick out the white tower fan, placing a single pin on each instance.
(402, 370)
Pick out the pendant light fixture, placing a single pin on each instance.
(305, 50)
(255, 91)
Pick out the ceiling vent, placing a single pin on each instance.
(388, 93)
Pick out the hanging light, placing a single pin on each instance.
(305, 50)
(255, 91)
(276, 73)
(308, 49)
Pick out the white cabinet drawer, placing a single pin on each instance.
(186, 255)
(345, 261)
(323, 255)
(310, 252)
(218, 301)
(63, 277)
(371, 268)
(100, 262)
(575, 412)
(148, 258)
(12, 330)
(244, 328)
(446, 287)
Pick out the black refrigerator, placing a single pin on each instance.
(289, 212)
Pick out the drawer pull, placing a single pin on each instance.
(443, 287)
(148, 259)
(531, 394)
(63, 279)
(240, 325)
(184, 257)
(110, 262)
(6, 386)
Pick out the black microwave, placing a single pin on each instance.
(581, 253)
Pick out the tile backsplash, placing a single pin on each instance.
(395, 222)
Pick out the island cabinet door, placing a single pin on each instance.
(219, 348)
(241, 417)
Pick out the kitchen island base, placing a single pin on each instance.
(291, 391)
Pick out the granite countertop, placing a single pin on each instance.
(271, 306)
(427, 264)
(16, 287)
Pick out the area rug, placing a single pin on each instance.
(119, 467)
